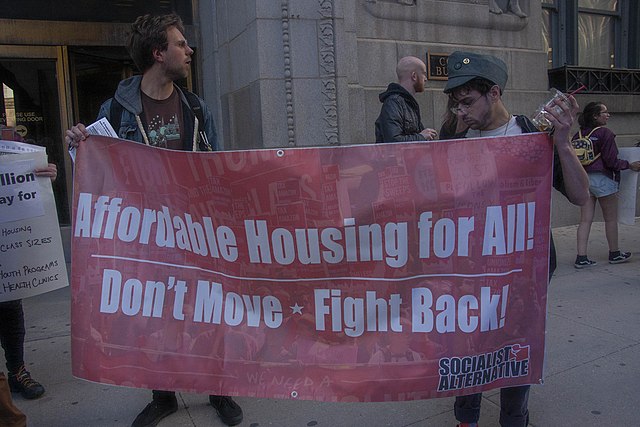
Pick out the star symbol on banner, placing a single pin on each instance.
(296, 309)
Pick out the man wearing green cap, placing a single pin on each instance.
(475, 86)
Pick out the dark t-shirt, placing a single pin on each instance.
(164, 121)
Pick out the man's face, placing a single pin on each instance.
(473, 108)
(177, 56)
(421, 78)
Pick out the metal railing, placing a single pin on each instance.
(597, 80)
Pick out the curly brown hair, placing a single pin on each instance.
(149, 33)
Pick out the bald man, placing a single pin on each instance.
(399, 119)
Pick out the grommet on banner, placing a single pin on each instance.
(294, 394)
(280, 153)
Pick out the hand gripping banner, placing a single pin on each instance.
(361, 273)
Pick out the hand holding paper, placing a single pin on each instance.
(80, 132)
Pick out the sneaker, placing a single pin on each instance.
(23, 383)
(155, 411)
(618, 257)
(229, 411)
(584, 263)
(467, 425)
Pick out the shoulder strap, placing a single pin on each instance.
(115, 114)
(194, 103)
(525, 124)
(593, 130)
(196, 107)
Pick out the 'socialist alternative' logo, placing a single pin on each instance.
(456, 373)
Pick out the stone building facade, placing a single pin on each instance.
(308, 72)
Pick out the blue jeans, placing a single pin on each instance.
(514, 410)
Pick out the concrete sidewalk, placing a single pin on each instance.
(592, 371)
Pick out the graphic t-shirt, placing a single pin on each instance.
(164, 119)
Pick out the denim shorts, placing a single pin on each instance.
(601, 185)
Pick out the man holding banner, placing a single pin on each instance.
(151, 109)
(475, 84)
(278, 273)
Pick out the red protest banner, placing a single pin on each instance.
(360, 273)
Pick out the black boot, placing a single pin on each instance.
(155, 411)
(229, 411)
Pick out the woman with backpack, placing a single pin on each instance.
(596, 147)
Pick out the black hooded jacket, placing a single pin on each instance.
(399, 118)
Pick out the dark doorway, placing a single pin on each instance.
(96, 72)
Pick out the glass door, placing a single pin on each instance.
(95, 73)
(31, 82)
